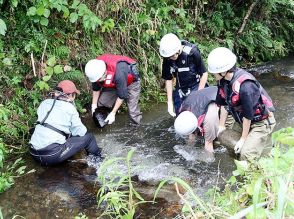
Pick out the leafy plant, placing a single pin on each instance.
(8, 172)
(284, 136)
(263, 189)
(117, 194)
(189, 209)
(3, 27)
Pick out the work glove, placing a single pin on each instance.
(220, 130)
(239, 146)
(170, 108)
(93, 108)
(110, 118)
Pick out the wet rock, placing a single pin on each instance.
(167, 192)
(282, 76)
(63, 195)
(228, 138)
(159, 209)
(172, 211)
(289, 88)
(261, 69)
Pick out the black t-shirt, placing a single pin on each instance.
(196, 67)
(120, 80)
(249, 97)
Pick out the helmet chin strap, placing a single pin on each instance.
(223, 76)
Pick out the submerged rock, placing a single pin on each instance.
(228, 138)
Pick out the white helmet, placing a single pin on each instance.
(95, 69)
(169, 45)
(186, 123)
(221, 60)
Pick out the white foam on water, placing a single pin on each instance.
(191, 153)
(184, 151)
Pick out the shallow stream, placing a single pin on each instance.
(68, 189)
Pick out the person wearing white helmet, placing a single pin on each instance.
(182, 61)
(115, 78)
(199, 112)
(241, 95)
(59, 133)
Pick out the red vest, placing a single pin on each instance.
(111, 62)
(264, 106)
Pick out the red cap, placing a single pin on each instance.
(68, 87)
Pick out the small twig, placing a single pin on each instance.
(11, 146)
(33, 64)
(41, 71)
(42, 59)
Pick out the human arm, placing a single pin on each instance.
(203, 81)
(200, 68)
(220, 101)
(169, 92)
(168, 77)
(95, 97)
(223, 117)
(111, 116)
(249, 95)
(245, 131)
(120, 80)
(96, 90)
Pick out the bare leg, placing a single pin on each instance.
(209, 146)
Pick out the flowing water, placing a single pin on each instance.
(67, 189)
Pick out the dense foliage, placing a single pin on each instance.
(44, 41)
(263, 189)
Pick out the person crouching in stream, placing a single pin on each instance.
(241, 95)
(199, 114)
(59, 132)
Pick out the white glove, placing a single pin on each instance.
(239, 146)
(170, 108)
(110, 118)
(220, 130)
(93, 108)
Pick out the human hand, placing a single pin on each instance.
(93, 108)
(110, 118)
(239, 145)
(220, 130)
(170, 108)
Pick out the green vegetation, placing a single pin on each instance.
(256, 190)
(45, 41)
(117, 194)
(263, 189)
(9, 172)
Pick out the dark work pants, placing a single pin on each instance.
(57, 153)
(108, 97)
